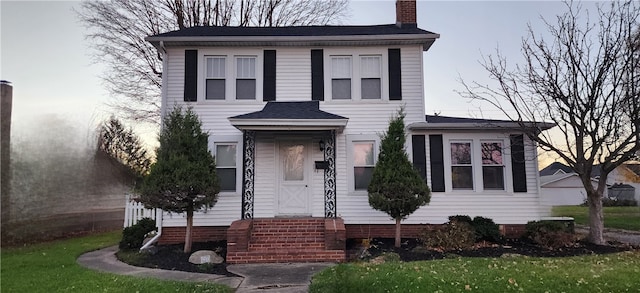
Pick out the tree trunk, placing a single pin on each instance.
(596, 218)
(187, 235)
(397, 244)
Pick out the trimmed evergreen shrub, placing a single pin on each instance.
(461, 218)
(486, 229)
(133, 236)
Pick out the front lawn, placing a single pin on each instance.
(627, 218)
(597, 273)
(52, 267)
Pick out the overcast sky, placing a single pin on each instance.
(45, 56)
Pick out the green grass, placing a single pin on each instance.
(627, 218)
(597, 273)
(52, 267)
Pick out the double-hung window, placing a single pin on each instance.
(341, 77)
(492, 165)
(215, 77)
(370, 72)
(226, 168)
(246, 78)
(461, 165)
(363, 163)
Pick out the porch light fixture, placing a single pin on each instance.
(321, 145)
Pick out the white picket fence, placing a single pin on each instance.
(134, 211)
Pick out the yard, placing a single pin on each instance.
(595, 273)
(52, 267)
(627, 218)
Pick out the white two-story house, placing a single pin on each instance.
(295, 116)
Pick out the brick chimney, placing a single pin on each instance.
(406, 13)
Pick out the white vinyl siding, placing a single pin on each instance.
(366, 120)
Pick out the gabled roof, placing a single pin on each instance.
(326, 35)
(289, 116)
(553, 169)
(437, 122)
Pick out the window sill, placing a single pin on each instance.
(358, 193)
(229, 194)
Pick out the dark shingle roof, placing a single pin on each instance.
(327, 30)
(290, 110)
(445, 119)
(554, 167)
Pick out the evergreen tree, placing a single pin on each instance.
(183, 179)
(396, 188)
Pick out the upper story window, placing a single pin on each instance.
(341, 77)
(363, 164)
(370, 73)
(246, 78)
(215, 77)
(492, 165)
(461, 165)
(226, 166)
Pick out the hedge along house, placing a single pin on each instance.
(294, 116)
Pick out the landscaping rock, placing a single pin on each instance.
(205, 256)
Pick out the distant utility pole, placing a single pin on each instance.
(5, 152)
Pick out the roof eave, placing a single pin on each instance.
(475, 126)
(426, 40)
(288, 124)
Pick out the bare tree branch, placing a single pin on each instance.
(134, 68)
(585, 77)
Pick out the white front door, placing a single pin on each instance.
(293, 177)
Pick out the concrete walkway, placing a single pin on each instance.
(266, 278)
(624, 236)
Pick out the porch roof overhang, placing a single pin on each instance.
(290, 116)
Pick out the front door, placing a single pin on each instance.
(293, 177)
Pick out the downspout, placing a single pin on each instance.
(153, 240)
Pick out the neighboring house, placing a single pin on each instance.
(559, 185)
(295, 116)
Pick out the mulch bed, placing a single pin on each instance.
(172, 257)
(411, 250)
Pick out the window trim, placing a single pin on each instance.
(356, 76)
(471, 163)
(207, 78)
(345, 77)
(230, 74)
(350, 141)
(478, 183)
(364, 76)
(216, 140)
(502, 166)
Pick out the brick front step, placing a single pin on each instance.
(286, 240)
(279, 256)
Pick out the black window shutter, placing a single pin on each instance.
(437, 162)
(317, 75)
(269, 84)
(419, 154)
(190, 75)
(395, 75)
(518, 163)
